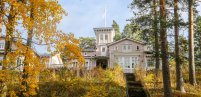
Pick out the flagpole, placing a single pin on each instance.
(105, 17)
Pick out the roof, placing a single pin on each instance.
(23, 43)
(45, 55)
(103, 28)
(88, 50)
(136, 41)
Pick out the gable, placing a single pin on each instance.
(125, 41)
(126, 45)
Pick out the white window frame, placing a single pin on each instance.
(103, 53)
(2, 45)
(106, 39)
(128, 62)
(101, 38)
(127, 48)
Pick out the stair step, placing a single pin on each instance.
(135, 88)
(136, 84)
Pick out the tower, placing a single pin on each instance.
(104, 35)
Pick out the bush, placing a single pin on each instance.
(94, 83)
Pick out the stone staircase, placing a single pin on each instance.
(134, 88)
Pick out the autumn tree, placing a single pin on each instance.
(164, 51)
(40, 18)
(1, 14)
(10, 25)
(68, 46)
(28, 44)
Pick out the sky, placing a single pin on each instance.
(84, 15)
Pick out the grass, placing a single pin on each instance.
(155, 85)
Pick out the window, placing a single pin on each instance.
(124, 47)
(1, 59)
(120, 61)
(136, 60)
(127, 48)
(133, 62)
(150, 63)
(1, 45)
(87, 64)
(127, 62)
(103, 49)
(115, 48)
(19, 61)
(101, 37)
(138, 48)
(106, 37)
(85, 53)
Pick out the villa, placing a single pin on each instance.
(126, 52)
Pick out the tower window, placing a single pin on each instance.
(106, 37)
(101, 37)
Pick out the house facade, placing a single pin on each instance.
(127, 53)
(51, 60)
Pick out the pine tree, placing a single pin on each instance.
(192, 78)
(156, 38)
(164, 51)
(116, 27)
(179, 77)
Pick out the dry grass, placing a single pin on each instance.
(155, 85)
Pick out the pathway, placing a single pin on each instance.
(134, 88)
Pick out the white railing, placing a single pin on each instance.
(56, 65)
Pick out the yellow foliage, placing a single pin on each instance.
(95, 83)
(97, 91)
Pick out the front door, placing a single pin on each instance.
(102, 63)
